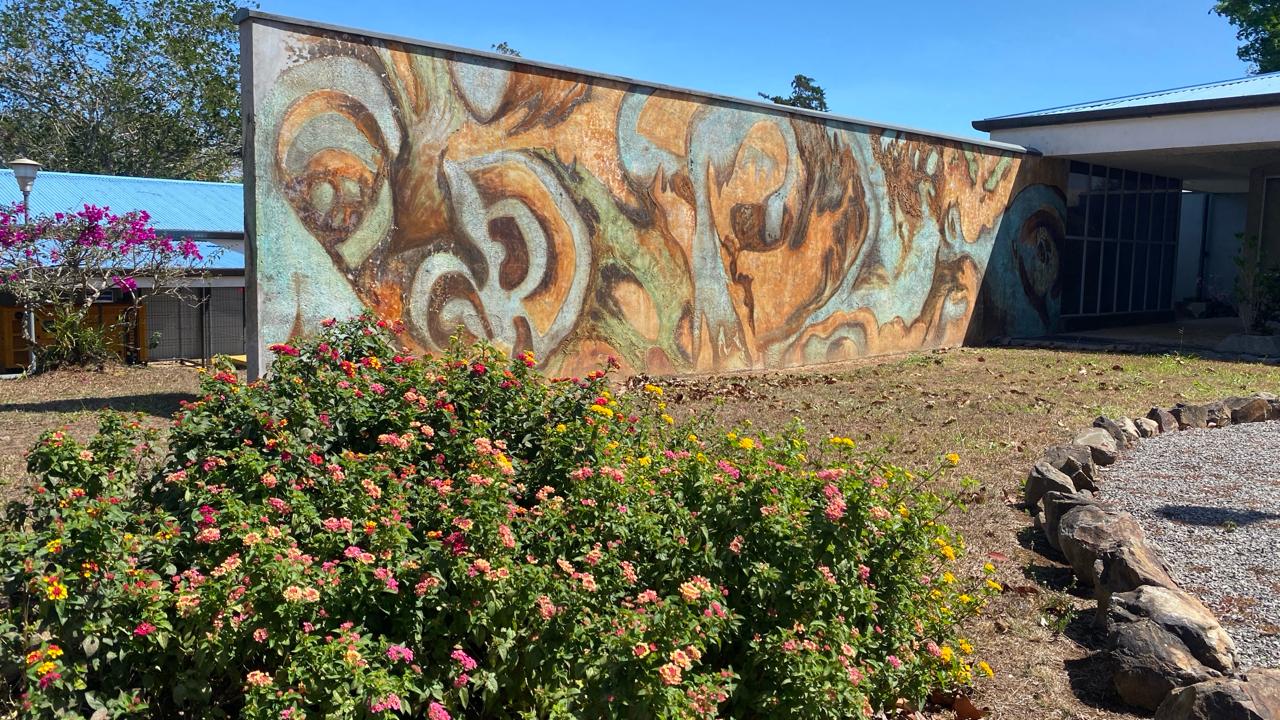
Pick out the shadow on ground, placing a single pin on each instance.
(1204, 515)
(159, 405)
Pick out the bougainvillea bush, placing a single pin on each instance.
(367, 534)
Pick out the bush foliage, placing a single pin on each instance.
(368, 534)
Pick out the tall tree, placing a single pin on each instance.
(122, 87)
(505, 49)
(805, 93)
(1258, 28)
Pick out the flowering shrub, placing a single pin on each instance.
(64, 262)
(368, 534)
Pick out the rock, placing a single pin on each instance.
(1254, 695)
(1181, 616)
(1150, 664)
(1074, 461)
(1086, 531)
(1045, 478)
(1101, 445)
(1122, 430)
(1147, 427)
(1249, 410)
(1056, 504)
(1218, 413)
(1214, 414)
(1190, 416)
(1164, 419)
(1129, 566)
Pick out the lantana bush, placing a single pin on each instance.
(368, 534)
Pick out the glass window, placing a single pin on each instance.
(1124, 276)
(1138, 292)
(1128, 215)
(1107, 301)
(1092, 260)
(1097, 207)
(1111, 227)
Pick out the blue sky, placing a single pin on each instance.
(931, 64)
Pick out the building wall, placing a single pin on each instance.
(581, 217)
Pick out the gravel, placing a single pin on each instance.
(1210, 501)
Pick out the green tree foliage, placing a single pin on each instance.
(503, 48)
(122, 87)
(805, 93)
(1258, 28)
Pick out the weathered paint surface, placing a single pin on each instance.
(582, 217)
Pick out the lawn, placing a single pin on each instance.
(996, 408)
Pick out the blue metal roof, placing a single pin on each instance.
(177, 207)
(1252, 91)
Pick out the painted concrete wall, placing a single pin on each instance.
(583, 216)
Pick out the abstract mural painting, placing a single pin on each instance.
(581, 216)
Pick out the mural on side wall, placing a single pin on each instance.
(581, 217)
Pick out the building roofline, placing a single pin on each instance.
(214, 183)
(1025, 120)
(245, 14)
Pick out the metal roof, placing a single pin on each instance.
(177, 207)
(1238, 93)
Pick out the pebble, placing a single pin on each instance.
(1210, 502)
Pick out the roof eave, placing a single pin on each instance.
(1243, 102)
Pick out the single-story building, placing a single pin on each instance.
(1162, 188)
(209, 317)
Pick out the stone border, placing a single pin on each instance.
(1171, 654)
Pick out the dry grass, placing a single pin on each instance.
(997, 408)
(72, 398)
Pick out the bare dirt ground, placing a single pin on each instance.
(72, 399)
(995, 407)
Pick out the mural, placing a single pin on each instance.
(582, 217)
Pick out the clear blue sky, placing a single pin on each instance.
(931, 64)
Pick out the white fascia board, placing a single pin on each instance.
(1250, 126)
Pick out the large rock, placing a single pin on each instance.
(1190, 416)
(1181, 616)
(1150, 664)
(1042, 479)
(1254, 695)
(1121, 430)
(1214, 414)
(1087, 531)
(1056, 504)
(1127, 567)
(1147, 427)
(1102, 447)
(1250, 409)
(1163, 418)
(1074, 461)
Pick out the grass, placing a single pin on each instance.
(996, 407)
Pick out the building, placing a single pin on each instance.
(1162, 187)
(209, 318)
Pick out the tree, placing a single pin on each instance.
(61, 264)
(122, 87)
(503, 48)
(805, 93)
(1257, 25)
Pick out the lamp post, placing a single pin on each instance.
(25, 171)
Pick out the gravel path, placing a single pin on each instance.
(1210, 501)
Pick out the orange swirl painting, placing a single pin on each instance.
(581, 216)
